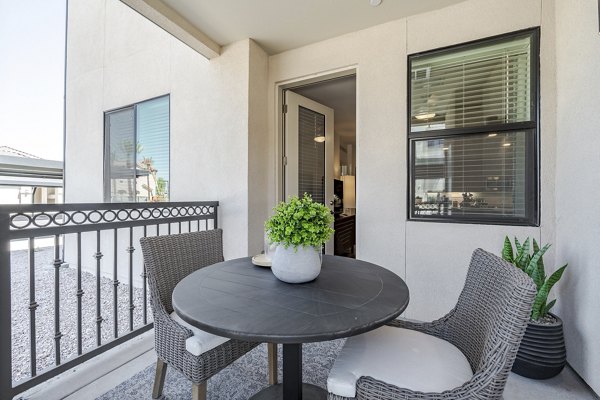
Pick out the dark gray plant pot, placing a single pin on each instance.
(542, 353)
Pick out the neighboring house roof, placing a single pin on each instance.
(18, 168)
(9, 151)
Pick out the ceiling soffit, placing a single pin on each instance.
(276, 25)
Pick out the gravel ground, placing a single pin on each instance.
(44, 285)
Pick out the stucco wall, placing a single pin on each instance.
(258, 143)
(577, 182)
(433, 257)
(115, 58)
(378, 55)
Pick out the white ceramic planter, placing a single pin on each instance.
(296, 265)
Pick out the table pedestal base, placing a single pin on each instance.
(275, 392)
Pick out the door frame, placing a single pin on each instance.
(294, 102)
(295, 83)
(293, 118)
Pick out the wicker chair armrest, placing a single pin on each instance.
(438, 327)
(169, 336)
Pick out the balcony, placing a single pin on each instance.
(79, 300)
(73, 286)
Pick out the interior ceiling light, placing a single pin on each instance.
(425, 115)
(319, 136)
(428, 110)
(506, 144)
(493, 134)
(374, 3)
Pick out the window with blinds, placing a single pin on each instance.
(311, 154)
(473, 132)
(120, 155)
(137, 152)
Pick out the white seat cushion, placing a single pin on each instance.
(201, 341)
(401, 357)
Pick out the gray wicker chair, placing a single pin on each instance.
(486, 325)
(168, 260)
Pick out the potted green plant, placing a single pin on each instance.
(542, 353)
(299, 226)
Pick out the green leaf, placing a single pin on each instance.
(523, 257)
(547, 308)
(518, 245)
(544, 291)
(536, 248)
(507, 250)
(555, 277)
(538, 306)
(536, 270)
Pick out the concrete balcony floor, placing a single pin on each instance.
(129, 368)
(133, 379)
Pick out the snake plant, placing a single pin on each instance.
(529, 258)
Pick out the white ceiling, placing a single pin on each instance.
(339, 94)
(279, 25)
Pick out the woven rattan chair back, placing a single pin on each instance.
(496, 295)
(487, 325)
(168, 260)
(171, 258)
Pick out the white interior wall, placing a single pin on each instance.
(115, 58)
(577, 178)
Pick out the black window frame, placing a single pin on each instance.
(106, 143)
(532, 165)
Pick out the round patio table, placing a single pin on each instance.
(239, 300)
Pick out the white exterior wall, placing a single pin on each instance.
(379, 55)
(577, 182)
(433, 257)
(258, 142)
(115, 58)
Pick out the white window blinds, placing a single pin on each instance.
(472, 176)
(120, 155)
(152, 122)
(137, 152)
(478, 85)
(473, 131)
(311, 155)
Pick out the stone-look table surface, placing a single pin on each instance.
(239, 300)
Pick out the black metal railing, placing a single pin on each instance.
(100, 227)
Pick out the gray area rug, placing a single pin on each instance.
(239, 381)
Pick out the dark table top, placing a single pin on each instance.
(239, 300)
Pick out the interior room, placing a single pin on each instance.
(339, 94)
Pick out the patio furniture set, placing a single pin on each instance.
(209, 312)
